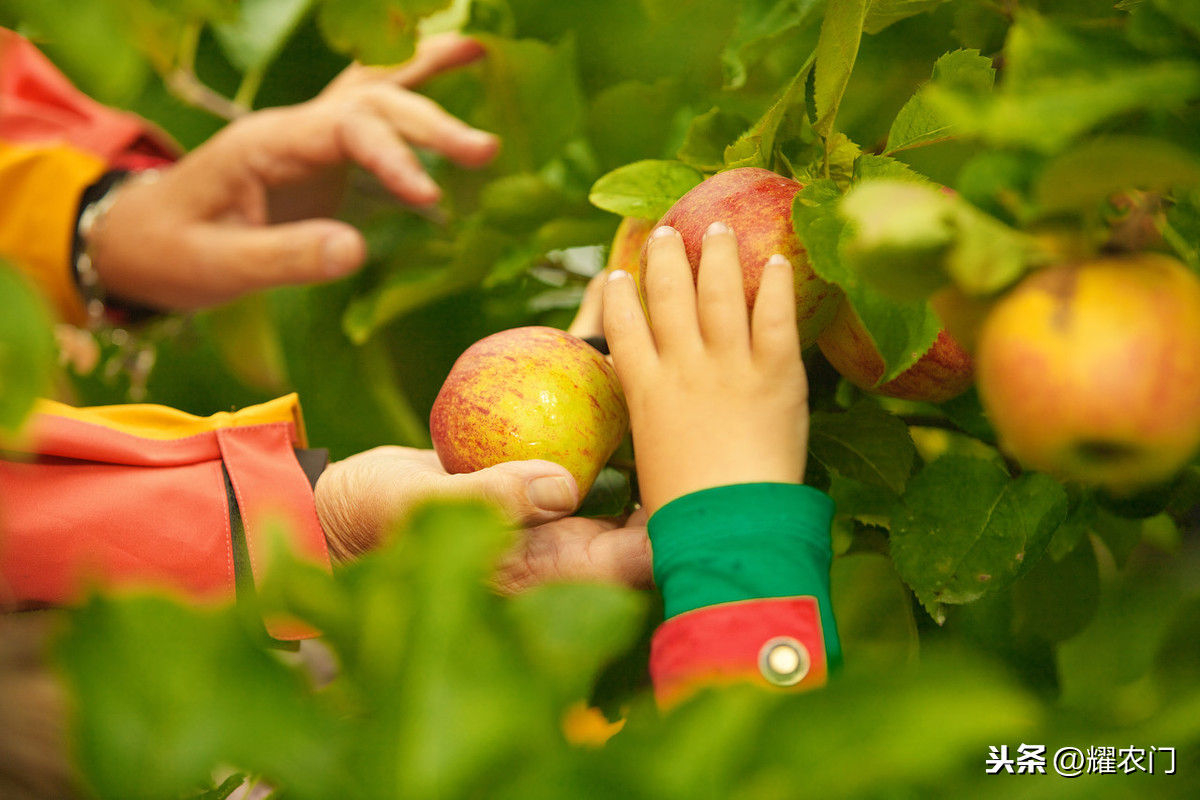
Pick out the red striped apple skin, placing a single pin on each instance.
(1091, 371)
(757, 205)
(944, 372)
(530, 393)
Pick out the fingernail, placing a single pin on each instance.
(479, 138)
(778, 260)
(340, 253)
(426, 186)
(617, 274)
(552, 494)
(662, 231)
(716, 229)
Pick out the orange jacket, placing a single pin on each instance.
(54, 143)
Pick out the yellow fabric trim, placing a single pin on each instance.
(40, 186)
(164, 423)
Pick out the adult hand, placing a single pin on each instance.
(361, 498)
(579, 549)
(248, 209)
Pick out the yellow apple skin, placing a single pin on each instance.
(757, 204)
(532, 392)
(1091, 371)
(945, 370)
(627, 243)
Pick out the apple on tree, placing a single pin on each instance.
(626, 251)
(757, 205)
(530, 393)
(1091, 371)
(945, 371)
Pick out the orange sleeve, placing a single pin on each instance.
(40, 186)
(148, 496)
(54, 143)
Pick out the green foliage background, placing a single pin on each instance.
(1035, 112)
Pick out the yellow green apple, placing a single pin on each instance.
(1091, 371)
(757, 205)
(530, 393)
(943, 372)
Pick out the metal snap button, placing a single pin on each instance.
(783, 661)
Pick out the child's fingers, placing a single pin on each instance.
(720, 293)
(625, 329)
(773, 332)
(670, 291)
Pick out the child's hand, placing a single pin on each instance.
(715, 397)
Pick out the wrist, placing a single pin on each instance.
(91, 229)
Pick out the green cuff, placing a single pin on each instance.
(745, 542)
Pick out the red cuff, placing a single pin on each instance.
(773, 642)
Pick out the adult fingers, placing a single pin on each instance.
(437, 54)
(426, 124)
(670, 292)
(226, 260)
(720, 293)
(528, 492)
(434, 55)
(376, 145)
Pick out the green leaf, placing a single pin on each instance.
(1086, 176)
(572, 630)
(862, 502)
(786, 118)
(521, 201)
(883, 13)
(818, 223)
(874, 614)
(707, 138)
(90, 42)
(633, 120)
(988, 255)
(376, 31)
(645, 189)
(866, 444)
(532, 100)
(899, 235)
(1059, 597)
(837, 50)
(27, 349)
(767, 31)
(870, 167)
(254, 39)
(609, 495)
(966, 529)
(1184, 12)
(766, 27)
(160, 674)
(919, 122)
(1061, 82)
(902, 331)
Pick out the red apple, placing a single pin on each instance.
(1091, 371)
(525, 393)
(757, 205)
(943, 372)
